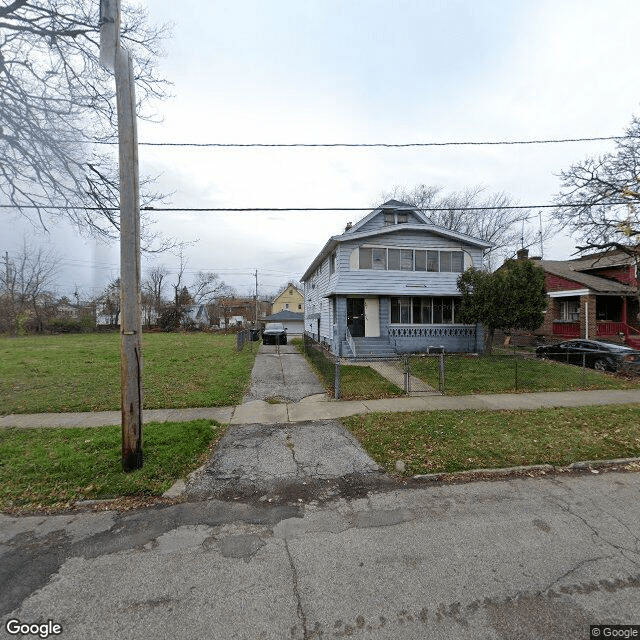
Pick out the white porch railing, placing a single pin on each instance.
(350, 342)
(432, 331)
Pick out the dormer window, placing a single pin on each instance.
(395, 217)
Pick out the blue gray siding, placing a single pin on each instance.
(321, 287)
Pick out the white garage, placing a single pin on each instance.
(293, 322)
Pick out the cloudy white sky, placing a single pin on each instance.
(286, 71)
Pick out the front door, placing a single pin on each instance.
(371, 318)
(355, 317)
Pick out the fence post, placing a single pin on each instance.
(407, 375)
(441, 367)
(336, 381)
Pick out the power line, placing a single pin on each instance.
(400, 145)
(310, 209)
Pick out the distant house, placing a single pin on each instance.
(196, 314)
(233, 312)
(389, 284)
(291, 299)
(594, 296)
(293, 322)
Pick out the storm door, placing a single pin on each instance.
(355, 317)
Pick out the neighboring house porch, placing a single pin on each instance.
(592, 297)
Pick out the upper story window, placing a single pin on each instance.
(391, 259)
(395, 217)
(332, 263)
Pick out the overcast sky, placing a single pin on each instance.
(362, 71)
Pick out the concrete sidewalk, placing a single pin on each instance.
(319, 408)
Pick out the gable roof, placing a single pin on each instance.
(394, 205)
(573, 270)
(283, 316)
(290, 285)
(353, 233)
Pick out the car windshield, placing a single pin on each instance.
(274, 326)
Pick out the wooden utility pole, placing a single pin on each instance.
(117, 59)
(256, 310)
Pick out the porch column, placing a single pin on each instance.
(588, 328)
(624, 311)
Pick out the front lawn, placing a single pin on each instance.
(356, 383)
(447, 441)
(468, 374)
(51, 468)
(82, 372)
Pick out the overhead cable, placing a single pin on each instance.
(466, 143)
(311, 209)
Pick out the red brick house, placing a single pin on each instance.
(593, 296)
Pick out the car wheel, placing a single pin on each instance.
(600, 365)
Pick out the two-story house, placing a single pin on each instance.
(290, 299)
(388, 284)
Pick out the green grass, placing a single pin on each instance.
(356, 383)
(447, 441)
(42, 468)
(466, 374)
(82, 372)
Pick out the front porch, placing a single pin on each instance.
(593, 317)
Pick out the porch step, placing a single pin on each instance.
(373, 348)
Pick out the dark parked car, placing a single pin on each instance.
(600, 355)
(274, 333)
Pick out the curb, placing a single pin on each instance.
(537, 469)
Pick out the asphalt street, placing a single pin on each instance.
(536, 558)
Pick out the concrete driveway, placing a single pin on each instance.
(281, 373)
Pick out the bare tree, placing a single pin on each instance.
(477, 213)
(152, 293)
(207, 286)
(57, 109)
(28, 274)
(600, 198)
(108, 303)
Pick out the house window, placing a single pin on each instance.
(365, 258)
(394, 259)
(286, 305)
(433, 263)
(381, 259)
(332, 263)
(570, 310)
(401, 310)
(425, 310)
(299, 306)
(389, 219)
(402, 218)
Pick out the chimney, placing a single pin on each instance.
(349, 225)
(523, 254)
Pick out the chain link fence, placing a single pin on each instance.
(461, 373)
(247, 336)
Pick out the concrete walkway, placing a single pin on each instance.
(319, 408)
